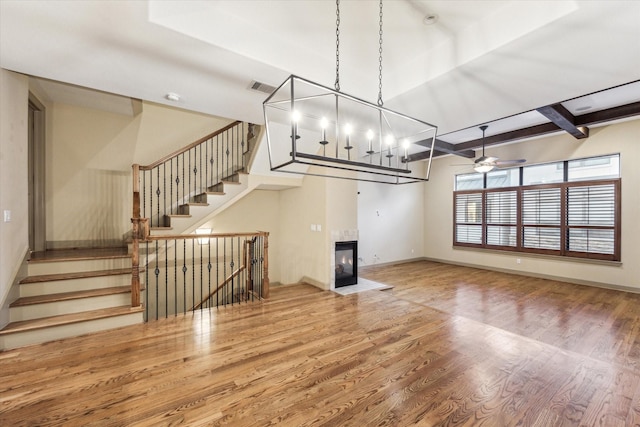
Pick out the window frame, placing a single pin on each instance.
(564, 220)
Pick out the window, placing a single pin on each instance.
(543, 174)
(501, 178)
(577, 215)
(604, 167)
(501, 218)
(469, 218)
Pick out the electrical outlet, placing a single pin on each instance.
(518, 261)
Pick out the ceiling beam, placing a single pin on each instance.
(615, 113)
(563, 118)
(442, 148)
(501, 138)
(597, 117)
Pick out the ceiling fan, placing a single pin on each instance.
(487, 163)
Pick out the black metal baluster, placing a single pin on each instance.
(233, 296)
(209, 277)
(183, 180)
(217, 271)
(144, 194)
(175, 276)
(218, 159)
(166, 279)
(158, 194)
(171, 182)
(157, 273)
(151, 197)
(177, 180)
(193, 272)
(242, 147)
(206, 164)
(201, 277)
(224, 266)
(146, 280)
(184, 273)
(164, 188)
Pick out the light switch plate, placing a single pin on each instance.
(7, 216)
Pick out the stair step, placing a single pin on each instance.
(215, 193)
(66, 296)
(65, 319)
(74, 275)
(78, 263)
(198, 204)
(41, 330)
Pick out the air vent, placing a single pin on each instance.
(261, 87)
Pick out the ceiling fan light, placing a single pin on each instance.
(483, 167)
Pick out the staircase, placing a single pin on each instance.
(74, 292)
(205, 205)
(69, 293)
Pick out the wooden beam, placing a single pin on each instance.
(615, 113)
(563, 118)
(441, 148)
(514, 135)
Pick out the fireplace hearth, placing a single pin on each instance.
(346, 266)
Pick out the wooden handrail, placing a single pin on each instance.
(220, 286)
(190, 146)
(203, 236)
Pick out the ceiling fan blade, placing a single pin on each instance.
(486, 159)
(510, 162)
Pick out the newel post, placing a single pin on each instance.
(135, 251)
(265, 266)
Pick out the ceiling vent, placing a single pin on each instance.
(261, 87)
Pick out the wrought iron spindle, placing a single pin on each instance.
(175, 276)
(184, 274)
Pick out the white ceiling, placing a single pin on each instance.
(482, 60)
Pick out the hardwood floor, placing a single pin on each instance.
(448, 346)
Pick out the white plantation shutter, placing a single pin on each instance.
(575, 217)
(502, 218)
(541, 218)
(468, 218)
(591, 215)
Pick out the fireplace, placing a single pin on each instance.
(346, 263)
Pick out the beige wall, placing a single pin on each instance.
(14, 235)
(616, 138)
(391, 222)
(90, 153)
(302, 251)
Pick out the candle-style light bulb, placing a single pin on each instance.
(295, 118)
(406, 144)
(323, 124)
(370, 139)
(389, 140)
(347, 131)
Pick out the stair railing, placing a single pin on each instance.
(180, 275)
(167, 186)
(195, 272)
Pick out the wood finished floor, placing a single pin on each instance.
(448, 346)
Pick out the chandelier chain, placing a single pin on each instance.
(380, 103)
(337, 84)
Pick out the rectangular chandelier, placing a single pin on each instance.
(314, 130)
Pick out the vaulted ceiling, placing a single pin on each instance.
(517, 64)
